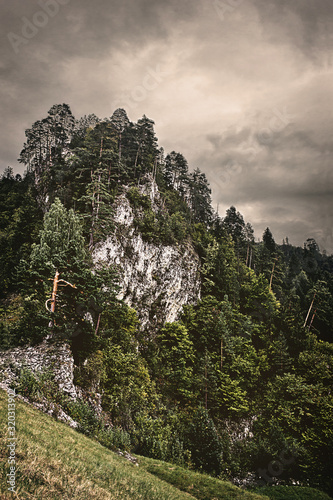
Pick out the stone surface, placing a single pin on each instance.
(57, 357)
(155, 279)
(45, 406)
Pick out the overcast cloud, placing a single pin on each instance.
(243, 88)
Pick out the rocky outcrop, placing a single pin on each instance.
(44, 356)
(155, 279)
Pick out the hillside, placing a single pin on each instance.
(54, 461)
(156, 324)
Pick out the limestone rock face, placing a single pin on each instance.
(155, 279)
(57, 358)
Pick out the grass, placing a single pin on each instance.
(54, 461)
(200, 486)
(204, 487)
(292, 493)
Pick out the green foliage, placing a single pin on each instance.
(89, 375)
(302, 413)
(19, 225)
(114, 438)
(161, 439)
(240, 232)
(220, 270)
(256, 350)
(137, 199)
(61, 242)
(40, 387)
(127, 386)
(198, 485)
(204, 443)
(257, 300)
(43, 388)
(175, 357)
(160, 227)
(84, 415)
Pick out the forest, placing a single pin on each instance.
(240, 386)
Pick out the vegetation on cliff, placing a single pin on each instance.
(241, 383)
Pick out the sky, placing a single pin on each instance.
(242, 88)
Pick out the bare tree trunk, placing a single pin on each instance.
(313, 317)
(206, 386)
(136, 160)
(54, 291)
(307, 316)
(221, 352)
(98, 321)
(272, 274)
(250, 263)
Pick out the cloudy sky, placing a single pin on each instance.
(243, 88)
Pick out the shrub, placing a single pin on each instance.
(159, 439)
(84, 415)
(115, 438)
(36, 387)
(137, 199)
(204, 443)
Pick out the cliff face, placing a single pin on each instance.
(44, 356)
(155, 279)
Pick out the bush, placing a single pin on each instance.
(36, 387)
(138, 200)
(204, 443)
(84, 415)
(27, 384)
(156, 438)
(114, 438)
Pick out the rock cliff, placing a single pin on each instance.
(155, 279)
(55, 357)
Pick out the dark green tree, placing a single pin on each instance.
(46, 149)
(200, 197)
(174, 358)
(204, 443)
(147, 150)
(120, 121)
(175, 173)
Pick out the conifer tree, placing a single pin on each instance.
(60, 262)
(175, 172)
(200, 197)
(147, 150)
(120, 121)
(46, 148)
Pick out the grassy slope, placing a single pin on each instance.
(200, 486)
(54, 461)
(204, 487)
(293, 493)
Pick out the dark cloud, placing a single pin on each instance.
(305, 24)
(244, 93)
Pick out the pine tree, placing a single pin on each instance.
(175, 173)
(60, 262)
(46, 149)
(147, 150)
(97, 166)
(120, 121)
(200, 197)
